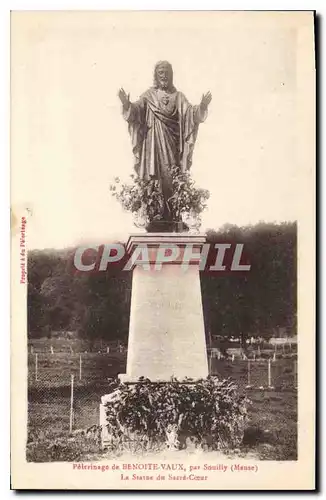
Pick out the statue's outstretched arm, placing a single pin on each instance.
(124, 98)
(197, 111)
(131, 111)
(201, 110)
(205, 100)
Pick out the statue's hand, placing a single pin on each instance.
(205, 100)
(124, 98)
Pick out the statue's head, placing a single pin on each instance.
(163, 75)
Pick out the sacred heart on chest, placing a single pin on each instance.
(165, 100)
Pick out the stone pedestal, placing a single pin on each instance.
(166, 331)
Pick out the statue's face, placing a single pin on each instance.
(163, 76)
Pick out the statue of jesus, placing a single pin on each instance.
(163, 127)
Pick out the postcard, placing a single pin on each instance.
(163, 250)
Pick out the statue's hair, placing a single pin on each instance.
(164, 63)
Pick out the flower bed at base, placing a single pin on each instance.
(145, 198)
(209, 413)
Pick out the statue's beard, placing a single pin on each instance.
(164, 84)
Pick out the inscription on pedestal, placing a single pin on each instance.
(166, 331)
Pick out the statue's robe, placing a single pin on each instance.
(163, 135)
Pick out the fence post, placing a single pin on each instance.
(71, 404)
(36, 366)
(210, 363)
(108, 350)
(52, 352)
(80, 367)
(232, 358)
(249, 381)
(269, 372)
(269, 375)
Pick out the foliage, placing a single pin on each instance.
(63, 448)
(53, 450)
(206, 410)
(261, 301)
(145, 196)
(142, 195)
(94, 305)
(186, 196)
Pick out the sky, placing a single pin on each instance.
(69, 140)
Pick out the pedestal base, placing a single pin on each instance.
(166, 331)
(129, 379)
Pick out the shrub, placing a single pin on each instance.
(145, 196)
(209, 411)
(140, 195)
(54, 450)
(186, 196)
(63, 448)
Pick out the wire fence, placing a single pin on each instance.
(56, 369)
(61, 409)
(279, 375)
(65, 389)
